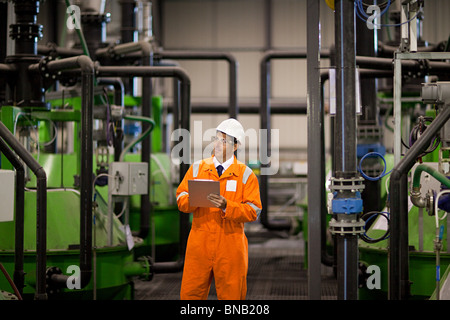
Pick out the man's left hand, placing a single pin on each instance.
(218, 200)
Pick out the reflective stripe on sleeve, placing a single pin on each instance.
(246, 175)
(181, 194)
(258, 210)
(195, 168)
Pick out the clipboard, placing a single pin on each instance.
(199, 190)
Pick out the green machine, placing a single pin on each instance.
(118, 256)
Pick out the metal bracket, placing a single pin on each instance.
(344, 227)
(351, 184)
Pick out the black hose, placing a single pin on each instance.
(368, 216)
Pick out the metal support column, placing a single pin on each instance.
(315, 151)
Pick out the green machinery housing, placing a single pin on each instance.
(114, 262)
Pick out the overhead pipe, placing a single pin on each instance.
(86, 68)
(41, 208)
(386, 49)
(233, 108)
(250, 108)
(52, 49)
(422, 66)
(181, 75)
(19, 274)
(204, 55)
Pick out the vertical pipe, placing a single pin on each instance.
(185, 124)
(397, 109)
(232, 88)
(19, 274)
(41, 209)
(86, 177)
(3, 30)
(86, 172)
(345, 89)
(128, 33)
(345, 151)
(146, 207)
(265, 124)
(25, 31)
(3, 42)
(397, 200)
(315, 151)
(41, 234)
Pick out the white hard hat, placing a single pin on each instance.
(233, 128)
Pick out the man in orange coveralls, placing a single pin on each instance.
(217, 246)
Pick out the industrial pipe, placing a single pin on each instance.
(428, 67)
(146, 146)
(316, 152)
(41, 208)
(181, 75)
(19, 274)
(203, 55)
(345, 151)
(51, 48)
(86, 67)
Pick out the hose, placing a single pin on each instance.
(365, 176)
(141, 137)
(79, 32)
(16, 291)
(438, 241)
(436, 216)
(433, 172)
(370, 215)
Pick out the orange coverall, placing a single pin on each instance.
(217, 246)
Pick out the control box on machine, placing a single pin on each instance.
(128, 178)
